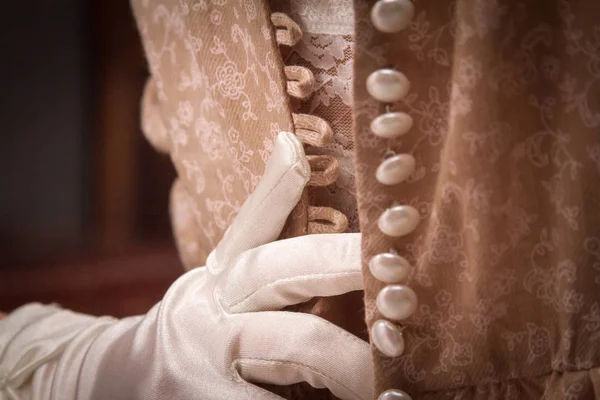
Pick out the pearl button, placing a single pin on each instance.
(387, 338)
(396, 302)
(392, 16)
(389, 268)
(394, 394)
(387, 85)
(398, 221)
(391, 125)
(395, 169)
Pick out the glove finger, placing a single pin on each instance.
(264, 213)
(293, 271)
(283, 348)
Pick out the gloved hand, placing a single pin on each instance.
(217, 328)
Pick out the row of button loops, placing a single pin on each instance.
(395, 301)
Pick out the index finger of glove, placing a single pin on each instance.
(264, 213)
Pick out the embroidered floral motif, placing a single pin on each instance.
(211, 108)
(538, 341)
(469, 72)
(185, 112)
(231, 82)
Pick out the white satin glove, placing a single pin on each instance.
(217, 328)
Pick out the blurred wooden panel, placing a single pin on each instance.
(123, 285)
(119, 76)
(124, 258)
(44, 110)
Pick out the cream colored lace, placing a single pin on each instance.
(325, 48)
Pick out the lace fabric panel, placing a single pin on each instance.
(330, 17)
(330, 57)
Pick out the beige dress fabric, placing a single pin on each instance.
(505, 98)
(216, 75)
(218, 94)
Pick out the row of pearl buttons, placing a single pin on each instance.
(395, 301)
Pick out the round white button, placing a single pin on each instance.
(392, 16)
(395, 169)
(391, 125)
(387, 85)
(398, 221)
(387, 338)
(394, 394)
(396, 302)
(389, 268)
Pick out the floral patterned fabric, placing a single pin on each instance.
(215, 101)
(504, 96)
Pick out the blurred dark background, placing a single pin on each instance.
(83, 197)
